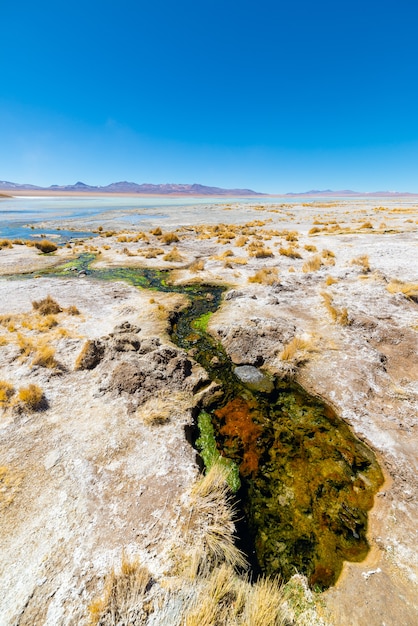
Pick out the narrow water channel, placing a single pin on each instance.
(307, 482)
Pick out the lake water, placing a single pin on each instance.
(59, 216)
(23, 217)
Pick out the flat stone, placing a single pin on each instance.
(255, 379)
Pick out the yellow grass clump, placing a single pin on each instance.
(297, 350)
(265, 276)
(309, 248)
(339, 316)
(6, 392)
(47, 306)
(409, 290)
(363, 262)
(290, 252)
(173, 256)
(9, 485)
(330, 280)
(312, 265)
(45, 357)
(260, 252)
(123, 597)
(5, 243)
(169, 238)
(197, 266)
(32, 397)
(46, 246)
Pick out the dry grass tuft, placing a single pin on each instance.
(312, 265)
(173, 256)
(409, 290)
(122, 601)
(46, 246)
(367, 225)
(72, 310)
(6, 392)
(208, 540)
(339, 316)
(156, 411)
(290, 252)
(6, 243)
(363, 262)
(169, 238)
(265, 276)
(32, 397)
(197, 266)
(47, 306)
(297, 350)
(309, 248)
(157, 232)
(330, 280)
(265, 607)
(262, 253)
(45, 357)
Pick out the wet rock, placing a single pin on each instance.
(255, 379)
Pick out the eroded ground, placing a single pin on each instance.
(324, 293)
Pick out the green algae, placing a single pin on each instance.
(307, 482)
(207, 446)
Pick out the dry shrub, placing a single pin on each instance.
(297, 350)
(122, 601)
(314, 230)
(409, 290)
(169, 238)
(173, 256)
(363, 262)
(327, 254)
(197, 266)
(40, 323)
(261, 253)
(31, 397)
(241, 241)
(265, 276)
(72, 310)
(156, 411)
(265, 605)
(6, 391)
(330, 280)
(152, 253)
(292, 236)
(338, 315)
(45, 357)
(46, 246)
(312, 265)
(25, 344)
(290, 252)
(208, 540)
(47, 306)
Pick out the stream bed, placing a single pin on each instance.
(306, 482)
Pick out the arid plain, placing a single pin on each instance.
(97, 471)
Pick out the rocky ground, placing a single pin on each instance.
(322, 292)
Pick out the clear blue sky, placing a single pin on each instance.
(272, 95)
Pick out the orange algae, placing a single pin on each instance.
(241, 434)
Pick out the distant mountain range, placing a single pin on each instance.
(127, 187)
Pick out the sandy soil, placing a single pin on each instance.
(88, 477)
